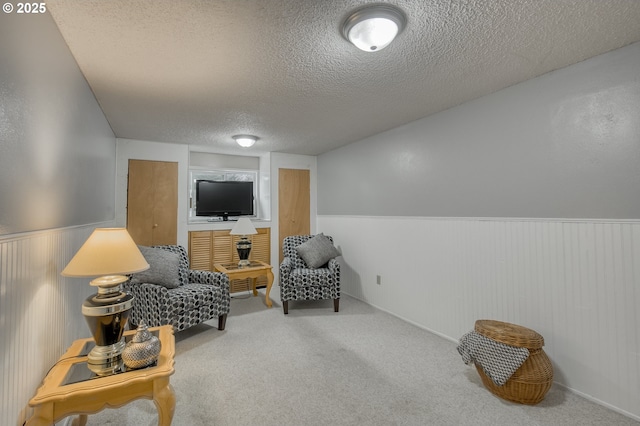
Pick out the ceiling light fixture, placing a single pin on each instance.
(245, 141)
(372, 28)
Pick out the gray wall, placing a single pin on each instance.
(564, 145)
(57, 151)
(57, 170)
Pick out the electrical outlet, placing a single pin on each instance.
(378, 280)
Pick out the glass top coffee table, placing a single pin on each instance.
(71, 388)
(254, 270)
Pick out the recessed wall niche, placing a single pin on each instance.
(220, 167)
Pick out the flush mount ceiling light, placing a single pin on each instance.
(372, 28)
(245, 141)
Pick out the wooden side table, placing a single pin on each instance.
(71, 388)
(256, 269)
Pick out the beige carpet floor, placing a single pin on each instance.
(360, 366)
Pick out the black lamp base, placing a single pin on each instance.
(244, 249)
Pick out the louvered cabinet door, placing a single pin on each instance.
(260, 250)
(261, 245)
(201, 250)
(209, 247)
(223, 249)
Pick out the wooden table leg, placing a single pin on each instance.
(269, 284)
(165, 399)
(254, 282)
(42, 415)
(81, 420)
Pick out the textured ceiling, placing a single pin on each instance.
(199, 71)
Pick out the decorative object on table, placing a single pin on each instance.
(301, 281)
(531, 380)
(497, 360)
(373, 27)
(109, 253)
(243, 227)
(142, 350)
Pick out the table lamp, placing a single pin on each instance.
(108, 253)
(243, 227)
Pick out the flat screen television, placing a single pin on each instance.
(224, 198)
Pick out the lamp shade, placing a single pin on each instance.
(372, 28)
(107, 251)
(243, 227)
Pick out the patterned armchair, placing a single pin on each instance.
(299, 281)
(197, 296)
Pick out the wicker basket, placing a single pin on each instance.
(530, 383)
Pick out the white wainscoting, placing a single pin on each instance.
(575, 282)
(40, 311)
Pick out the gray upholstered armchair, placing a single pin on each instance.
(309, 270)
(171, 293)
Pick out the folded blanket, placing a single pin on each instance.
(497, 360)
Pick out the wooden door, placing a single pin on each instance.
(294, 211)
(152, 202)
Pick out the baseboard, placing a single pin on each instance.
(451, 339)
